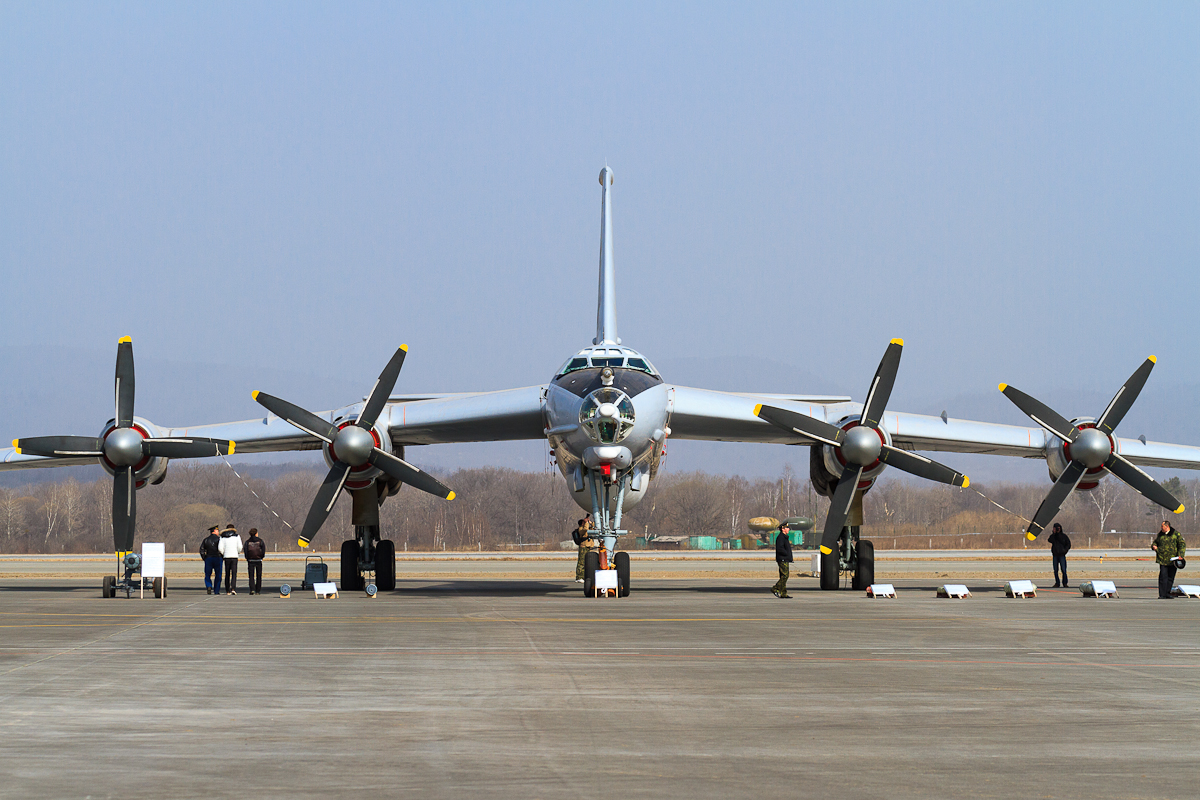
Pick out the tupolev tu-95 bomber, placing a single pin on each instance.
(606, 415)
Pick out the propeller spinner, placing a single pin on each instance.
(352, 445)
(1090, 447)
(124, 447)
(861, 445)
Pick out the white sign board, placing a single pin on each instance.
(1098, 589)
(881, 590)
(1187, 591)
(606, 579)
(1021, 589)
(325, 590)
(154, 560)
(816, 565)
(954, 590)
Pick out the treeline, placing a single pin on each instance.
(500, 508)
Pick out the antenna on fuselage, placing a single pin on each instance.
(606, 310)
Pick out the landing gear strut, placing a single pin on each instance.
(608, 501)
(368, 552)
(853, 555)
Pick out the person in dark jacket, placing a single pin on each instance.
(1060, 545)
(210, 551)
(255, 551)
(1167, 545)
(783, 557)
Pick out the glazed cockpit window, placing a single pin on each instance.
(617, 361)
(607, 415)
(579, 362)
(640, 364)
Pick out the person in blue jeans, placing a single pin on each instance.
(210, 551)
(1060, 545)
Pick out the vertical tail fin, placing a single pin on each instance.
(606, 310)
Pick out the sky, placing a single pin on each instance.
(291, 190)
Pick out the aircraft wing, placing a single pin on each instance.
(410, 420)
(729, 417)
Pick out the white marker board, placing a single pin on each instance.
(154, 560)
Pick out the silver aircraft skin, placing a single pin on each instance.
(607, 414)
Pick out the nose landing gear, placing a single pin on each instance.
(608, 501)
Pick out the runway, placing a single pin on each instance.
(499, 687)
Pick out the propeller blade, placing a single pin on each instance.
(188, 447)
(62, 446)
(1049, 508)
(124, 514)
(382, 389)
(922, 467)
(1146, 486)
(839, 508)
(306, 421)
(1124, 398)
(322, 504)
(1041, 413)
(801, 423)
(405, 472)
(124, 382)
(881, 385)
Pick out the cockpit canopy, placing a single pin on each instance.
(608, 356)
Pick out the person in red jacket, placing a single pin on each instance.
(255, 551)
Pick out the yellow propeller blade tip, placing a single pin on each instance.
(825, 550)
(898, 341)
(966, 481)
(1030, 536)
(1153, 359)
(1180, 509)
(232, 445)
(404, 347)
(450, 496)
(302, 543)
(1003, 386)
(757, 409)
(125, 340)
(255, 394)
(17, 446)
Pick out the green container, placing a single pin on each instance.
(704, 543)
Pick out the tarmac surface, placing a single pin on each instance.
(499, 687)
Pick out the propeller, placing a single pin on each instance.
(861, 445)
(1089, 447)
(352, 445)
(125, 447)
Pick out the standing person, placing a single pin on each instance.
(255, 550)
(231, 548)
(1060, 545)
(783, 557)
(1167, 545)
(582, 536)
(210, 550)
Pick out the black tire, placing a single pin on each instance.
(622, 563)
(159, 587)
(829, 570)
(108, 587)
(864, 572)
(591, 563)
(385, 566)
(352, 579)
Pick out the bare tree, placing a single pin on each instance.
(1106, 498)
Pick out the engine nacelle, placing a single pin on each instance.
(1057, 459)
(150, 470)
(826, 465)
(363, 475)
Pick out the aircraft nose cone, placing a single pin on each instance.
(1092, 448)
(608, 410)
(123, 447)
(861, 445)
(353, 445)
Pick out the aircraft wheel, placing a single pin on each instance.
(352, 580)
(160, 587)
(622, 563)
(864, 573)
(385, 565)
(829, 571)
(108, 587)
(591, 563)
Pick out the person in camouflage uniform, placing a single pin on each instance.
(582, 536)
(1167, 545)
(783, 557)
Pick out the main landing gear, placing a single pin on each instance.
(853, 555)
(131, 563)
